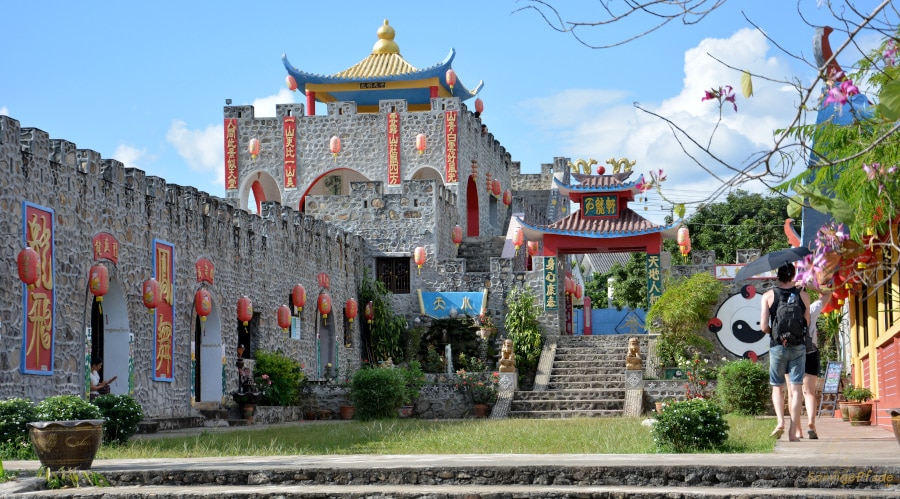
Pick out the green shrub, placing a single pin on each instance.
(413, 380)
(122, 414)
(857, 394)
(743, 387)
(691, 425)
(279, 377)
(377, 393)
(65, 408)
(15, 414)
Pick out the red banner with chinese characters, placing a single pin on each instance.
(37, 350)
(106, 246)
(451, 125)
(393, 147)
(290, 152)
(164, 339)
(206, 271)
(231, 154)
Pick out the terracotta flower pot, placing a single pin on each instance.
(66, 444)
(845, 413)
(482, 410)
(860, 414)
(347, 412)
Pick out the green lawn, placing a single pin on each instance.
(411, 436)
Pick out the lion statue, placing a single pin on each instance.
(633, 357)
(507, 357)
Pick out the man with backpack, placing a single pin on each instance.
(785, 317)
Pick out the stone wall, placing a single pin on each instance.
(261, 257)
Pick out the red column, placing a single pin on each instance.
(588, 331)
(310, 103)
(434, 91)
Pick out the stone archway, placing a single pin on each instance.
(263, 186)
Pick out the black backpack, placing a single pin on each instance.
(789, 323)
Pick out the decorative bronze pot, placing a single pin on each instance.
(66, 444)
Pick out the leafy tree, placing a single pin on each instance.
(387, 328)
(680, 315)
(523, 328)
(630, 288)
(742, 221)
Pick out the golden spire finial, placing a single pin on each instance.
(386, 43)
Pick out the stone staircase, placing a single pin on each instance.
(586, 380)
(477, 252)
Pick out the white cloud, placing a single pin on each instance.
(602, 123)
(265, 106)
(132, 157)
(202, 150)
(4, 110)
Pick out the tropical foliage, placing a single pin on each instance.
(630, 288)
(523, 327)
(742, 387)
(690, 425)
(386, 330)
(680, 315)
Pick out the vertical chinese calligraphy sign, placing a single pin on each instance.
(164, 318)
(654, 278)
(393, 148)
(231, 154)
(451, 126)
(38, 302)
(290, 152)
(550, 280)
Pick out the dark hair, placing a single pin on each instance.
(786, 272)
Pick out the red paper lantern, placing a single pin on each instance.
(419, 256)
(479, 106)
(533, 247)
(507, 197)
(496, 188)
(451, 79)
(29, 269)
(578, 291)
(324, 280)
(335, 146)
(683, 236)
(685, 248)
(456, 235)
(518, 239)
(298, 297)
(291, 83)
(98, 282)
(253, 148)
(150, 294)
(284, 317)
(421, 142)
(324, 303)
(203, 303)
(369, 312)
(351, 309)
(245, 310)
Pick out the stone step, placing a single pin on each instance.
(564, 414)
(589, 369)
(584, 385)
(567, 405)
(587, 354)
(614, 394)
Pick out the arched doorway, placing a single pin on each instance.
(111, 338)
(261, 187)
(472, 229)
(332, 183)
(209, 358)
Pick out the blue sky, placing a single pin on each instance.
(145, 82)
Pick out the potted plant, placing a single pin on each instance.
(482, 388)
(67, 433)
(414, 379)
(859, 405)
(485, 325)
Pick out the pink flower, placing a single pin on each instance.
(729, 96)
(849, 88)
(890, 52)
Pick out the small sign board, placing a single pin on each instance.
(832, 377)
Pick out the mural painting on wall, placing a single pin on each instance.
(451, 125)
(290, 152)
(164, 339)
(38, 298)
(736, 324)
(550, 280)
(393, 148)
(333, 184)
